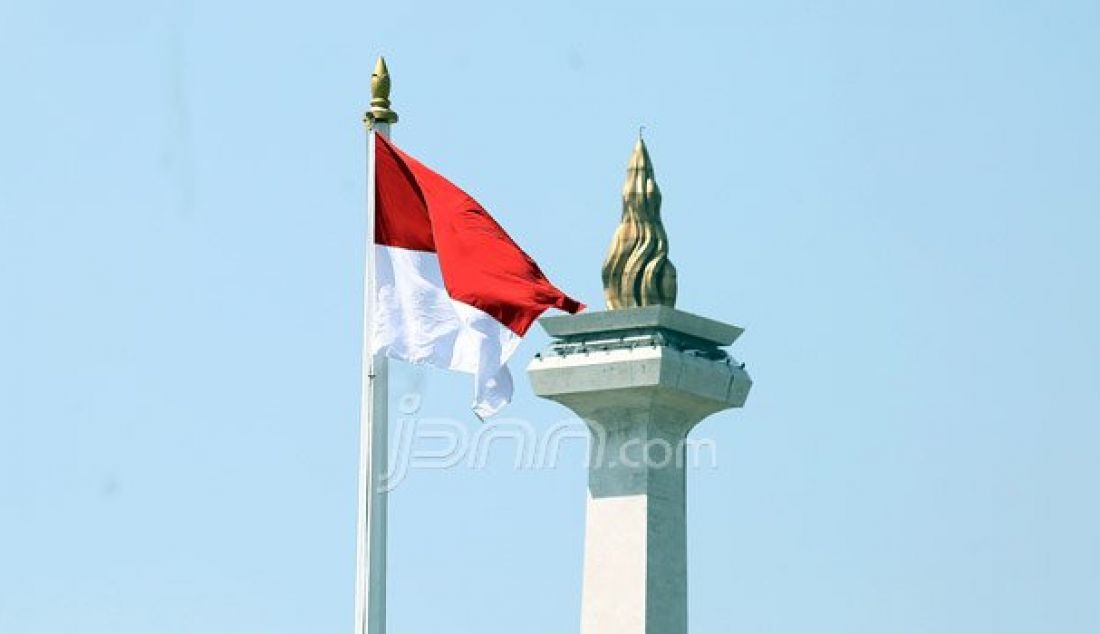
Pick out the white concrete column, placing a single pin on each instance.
(641, 378)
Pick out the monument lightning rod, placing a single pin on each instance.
(370, 546)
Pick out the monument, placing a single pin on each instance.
(641, 375)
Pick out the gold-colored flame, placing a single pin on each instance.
(637, 271)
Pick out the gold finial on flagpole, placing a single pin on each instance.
(637, 271)
(380, 96)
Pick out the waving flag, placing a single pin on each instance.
(452, 289)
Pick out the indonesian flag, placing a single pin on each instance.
(453, 290)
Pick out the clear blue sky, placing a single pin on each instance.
(899, 201)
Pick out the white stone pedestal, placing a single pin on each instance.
(641, 378)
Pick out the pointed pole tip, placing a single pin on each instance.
(380, 111)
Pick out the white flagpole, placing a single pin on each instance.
(370, 546)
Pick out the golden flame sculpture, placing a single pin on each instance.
(637, 271)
